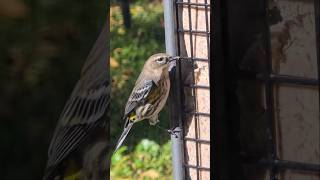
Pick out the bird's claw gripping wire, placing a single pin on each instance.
(170, 131)
(173, 132)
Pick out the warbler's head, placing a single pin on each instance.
(160, 61)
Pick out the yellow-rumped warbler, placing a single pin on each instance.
(149, 94)
(79, 143)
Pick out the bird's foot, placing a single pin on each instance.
(173, 132)
(153, 122)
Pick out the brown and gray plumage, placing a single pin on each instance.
(81, 129)
(149, 94)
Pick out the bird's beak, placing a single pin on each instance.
(173, 58)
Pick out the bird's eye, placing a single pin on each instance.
(160, 60)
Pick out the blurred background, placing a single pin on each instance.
(137, 32)
(43, 45)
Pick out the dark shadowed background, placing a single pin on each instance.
(43, 45)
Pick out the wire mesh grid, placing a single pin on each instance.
(270, 80)
(191, 32)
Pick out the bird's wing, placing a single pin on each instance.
(80, 115)
(85, 107)
(139, 94)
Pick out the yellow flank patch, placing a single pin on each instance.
(75, 176)
(72, 171)
(132, 117)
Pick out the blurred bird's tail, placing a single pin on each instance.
(49, 174)
(124, 134)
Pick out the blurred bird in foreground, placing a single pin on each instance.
(79, 147)
(149, 94)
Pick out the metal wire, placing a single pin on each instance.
(317, 22)
(281, 164)
(192, 4)
(195, 86)
(174, 95)
(277, 78)
(270, 80)
(269, 97)
(194, 32)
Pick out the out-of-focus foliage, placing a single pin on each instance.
(130, 48)
(43, 45)
(149, 160)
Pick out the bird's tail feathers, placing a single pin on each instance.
(50, 174)
(124, 134)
